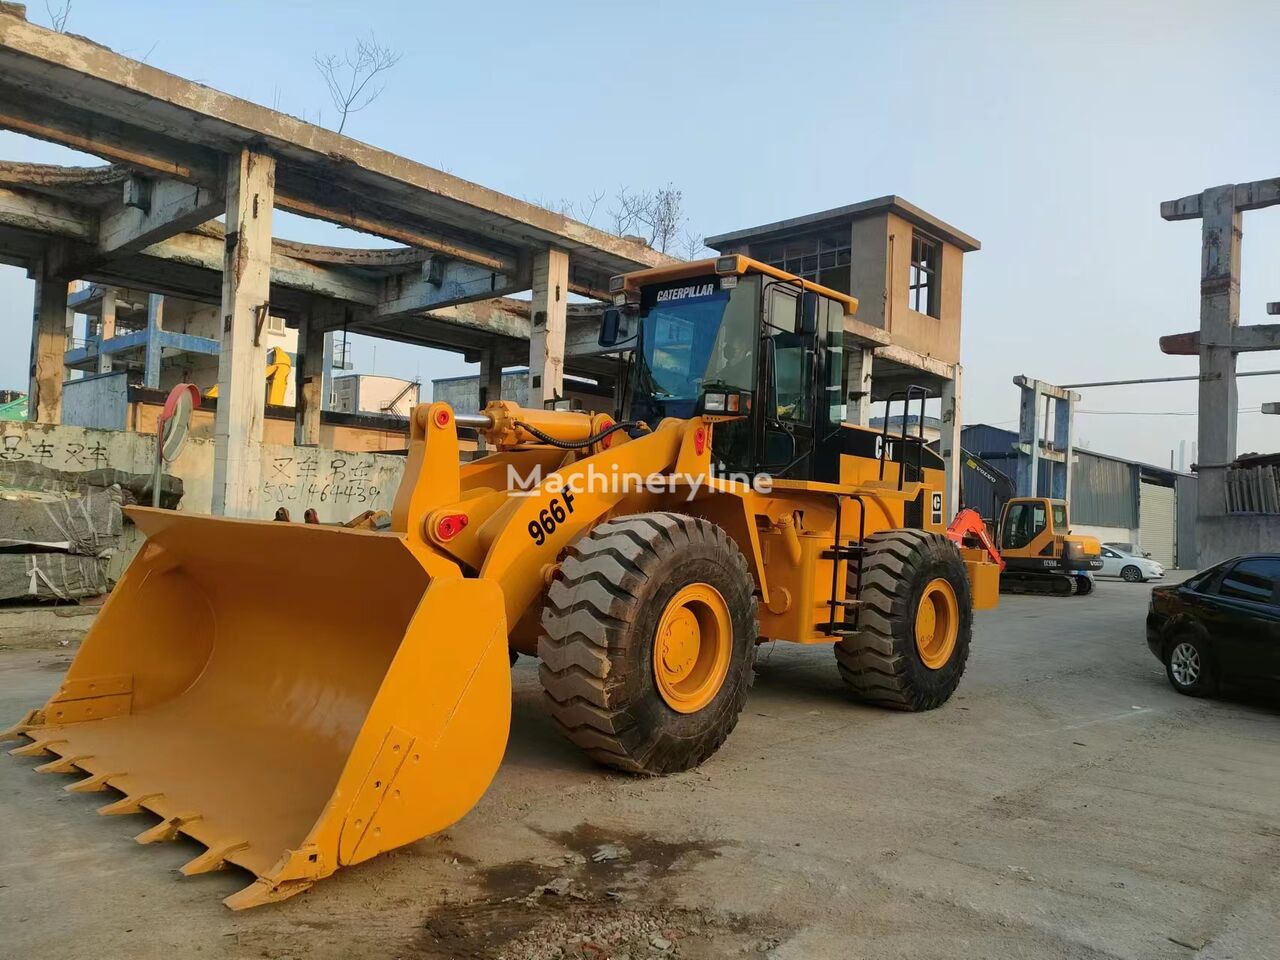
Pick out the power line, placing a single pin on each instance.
(1157, 413)
(1123, 383)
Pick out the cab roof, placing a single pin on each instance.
(731, 265)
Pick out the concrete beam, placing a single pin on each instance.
(441, 282)
(910, 358)
(48, 348)
(1246, 339)
(154, 210)
(40, 214)
(1242, 196)
(48, 119)
(200, 250)
(203, 249)
(548, 311)
(246, 290)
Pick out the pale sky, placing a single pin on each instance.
(1049, 131)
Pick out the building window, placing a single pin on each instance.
(823, 258)
(923, 294)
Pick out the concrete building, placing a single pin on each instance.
(375, 395)
(1112, 498)
(906, 267)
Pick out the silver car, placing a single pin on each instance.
(1128, 565)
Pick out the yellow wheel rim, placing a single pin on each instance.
(937, 624)
(692, 647)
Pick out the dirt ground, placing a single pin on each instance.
(1066, 804)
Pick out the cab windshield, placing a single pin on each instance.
(687, 342)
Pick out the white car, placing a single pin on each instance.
(1129, 566)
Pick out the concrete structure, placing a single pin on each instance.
(159, 341)
(183, 154)
(1046, 440)
(906, 268)
(1217, 343)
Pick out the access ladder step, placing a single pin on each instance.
(843, 551)
(837, 629)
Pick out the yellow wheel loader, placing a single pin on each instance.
(642, 560)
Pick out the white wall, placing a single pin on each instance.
(338, 484)
(1105, 534)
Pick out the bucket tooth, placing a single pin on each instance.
(215, 858)
(264, 891)
(63, 765)
(36, 748)
(127, 805)
(33, 718)
(166, 829)
(91, 784)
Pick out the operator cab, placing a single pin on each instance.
(768, 341)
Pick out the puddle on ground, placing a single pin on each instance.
(600, 899)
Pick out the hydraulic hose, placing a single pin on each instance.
(576, 444)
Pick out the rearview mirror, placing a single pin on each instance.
(615, 327)
(808, 324)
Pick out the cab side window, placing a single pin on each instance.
(790, 358)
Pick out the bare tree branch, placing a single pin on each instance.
(692, 245)
(58, 15)
(348, 78)
(658, 216)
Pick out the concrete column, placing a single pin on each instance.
(48, 351)
(1064, 440)
(949, 442)
(490, 381)
(155, 323)
(549, 312)
(246, 291)
(1029, 436)
(1219, 317)
(326, 387)
(309, 382)
(490, 376)
(857, 379)
(107, 327)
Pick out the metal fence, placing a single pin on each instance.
(1253, 489)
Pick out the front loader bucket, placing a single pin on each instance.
(295, 697)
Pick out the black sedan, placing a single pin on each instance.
(1221, 625)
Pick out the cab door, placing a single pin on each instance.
(787, 409)
(1025, 532)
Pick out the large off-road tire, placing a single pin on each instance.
(915, 624)
(648, 642)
